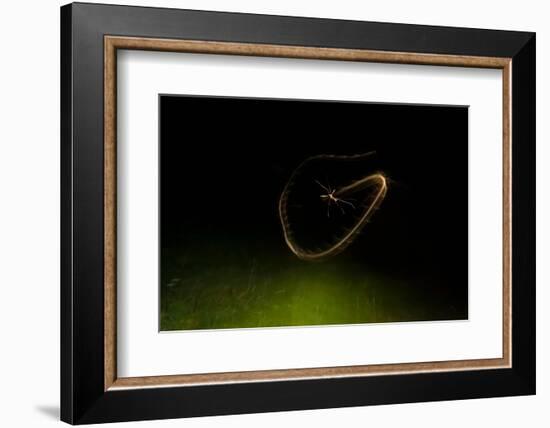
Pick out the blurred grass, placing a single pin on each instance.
(223, 289)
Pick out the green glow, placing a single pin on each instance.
(215, 294)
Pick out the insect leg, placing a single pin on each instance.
(347, 202)
(323, 187)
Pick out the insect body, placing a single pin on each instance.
(331, 199)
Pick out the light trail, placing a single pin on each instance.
(377, 182)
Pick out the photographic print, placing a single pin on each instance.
(280, 213)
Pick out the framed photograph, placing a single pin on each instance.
(265, 213)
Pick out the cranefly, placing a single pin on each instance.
(375, 185)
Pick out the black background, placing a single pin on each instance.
(225, 161)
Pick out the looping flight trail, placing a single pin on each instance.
(376, 187)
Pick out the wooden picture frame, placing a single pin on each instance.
(91, 390)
